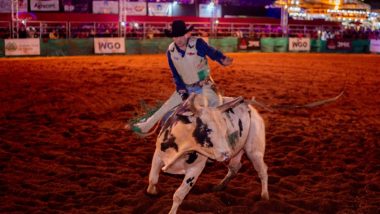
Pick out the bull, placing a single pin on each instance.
(194, 133)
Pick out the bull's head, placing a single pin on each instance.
(200, 128)
(210, 131)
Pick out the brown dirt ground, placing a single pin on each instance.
(63, 148)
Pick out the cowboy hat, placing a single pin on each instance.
(178, 29)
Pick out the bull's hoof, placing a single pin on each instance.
(152, 190)
(265, 196)
(219, 187)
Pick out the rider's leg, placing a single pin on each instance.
(145, 126)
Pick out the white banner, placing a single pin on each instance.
(6, 7)
(374, 46)
(21, 47)
(160, 9)
(105, 7)
(205, 10)
(135, 8)
(44, 5)
(109, 45)
(299, 44)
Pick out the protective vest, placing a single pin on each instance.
(192, 68)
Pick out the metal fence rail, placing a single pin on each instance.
(148, 30)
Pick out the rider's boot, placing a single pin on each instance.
(143, 127)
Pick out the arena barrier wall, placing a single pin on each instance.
(281, 44)
(148, 46)
(67, 47)
(274, 44)
(318, 45)
(267, 44)
(2, 49)
(75, 47)
(227, 44)
(360, 46)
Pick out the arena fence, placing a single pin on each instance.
(145, 30)
(96, 46)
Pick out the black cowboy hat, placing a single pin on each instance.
(178, 29)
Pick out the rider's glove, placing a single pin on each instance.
(184, 96)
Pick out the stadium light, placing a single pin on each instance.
(211, 6)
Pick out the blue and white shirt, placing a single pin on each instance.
(191, 66)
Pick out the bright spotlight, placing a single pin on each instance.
(211, 6)
(136, 25)
(123, 24)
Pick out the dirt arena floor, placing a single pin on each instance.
(63, 148)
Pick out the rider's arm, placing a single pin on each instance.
(180, 85)
(204, 49)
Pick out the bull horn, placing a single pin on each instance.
(231, 104)
(182, 107)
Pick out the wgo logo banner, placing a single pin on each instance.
(299, 44)
(109, 45)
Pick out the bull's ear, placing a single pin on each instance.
(204, 101)
(230, 104)
(198, 103)
(185, 105)
(193, 108)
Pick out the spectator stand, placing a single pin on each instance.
(5, 29)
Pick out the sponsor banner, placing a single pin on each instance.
(6, 6)
(44, 5)
(374, 46)
(105, 7)
(135, 8)
(254, 44)
(21, 47)
(299, 44)
(248, 44)
(76, 5)
(205, 10)
(341, 44)
(109, 45)
(160, 9)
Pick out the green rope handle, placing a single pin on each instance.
(147, 111)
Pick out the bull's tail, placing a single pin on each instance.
(253, 101)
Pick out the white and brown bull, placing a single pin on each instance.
(195, 133)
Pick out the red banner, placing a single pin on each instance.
(339, 44)
(248, 44)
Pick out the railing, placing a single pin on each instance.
(140, 30)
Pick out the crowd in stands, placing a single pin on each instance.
(91, 30)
